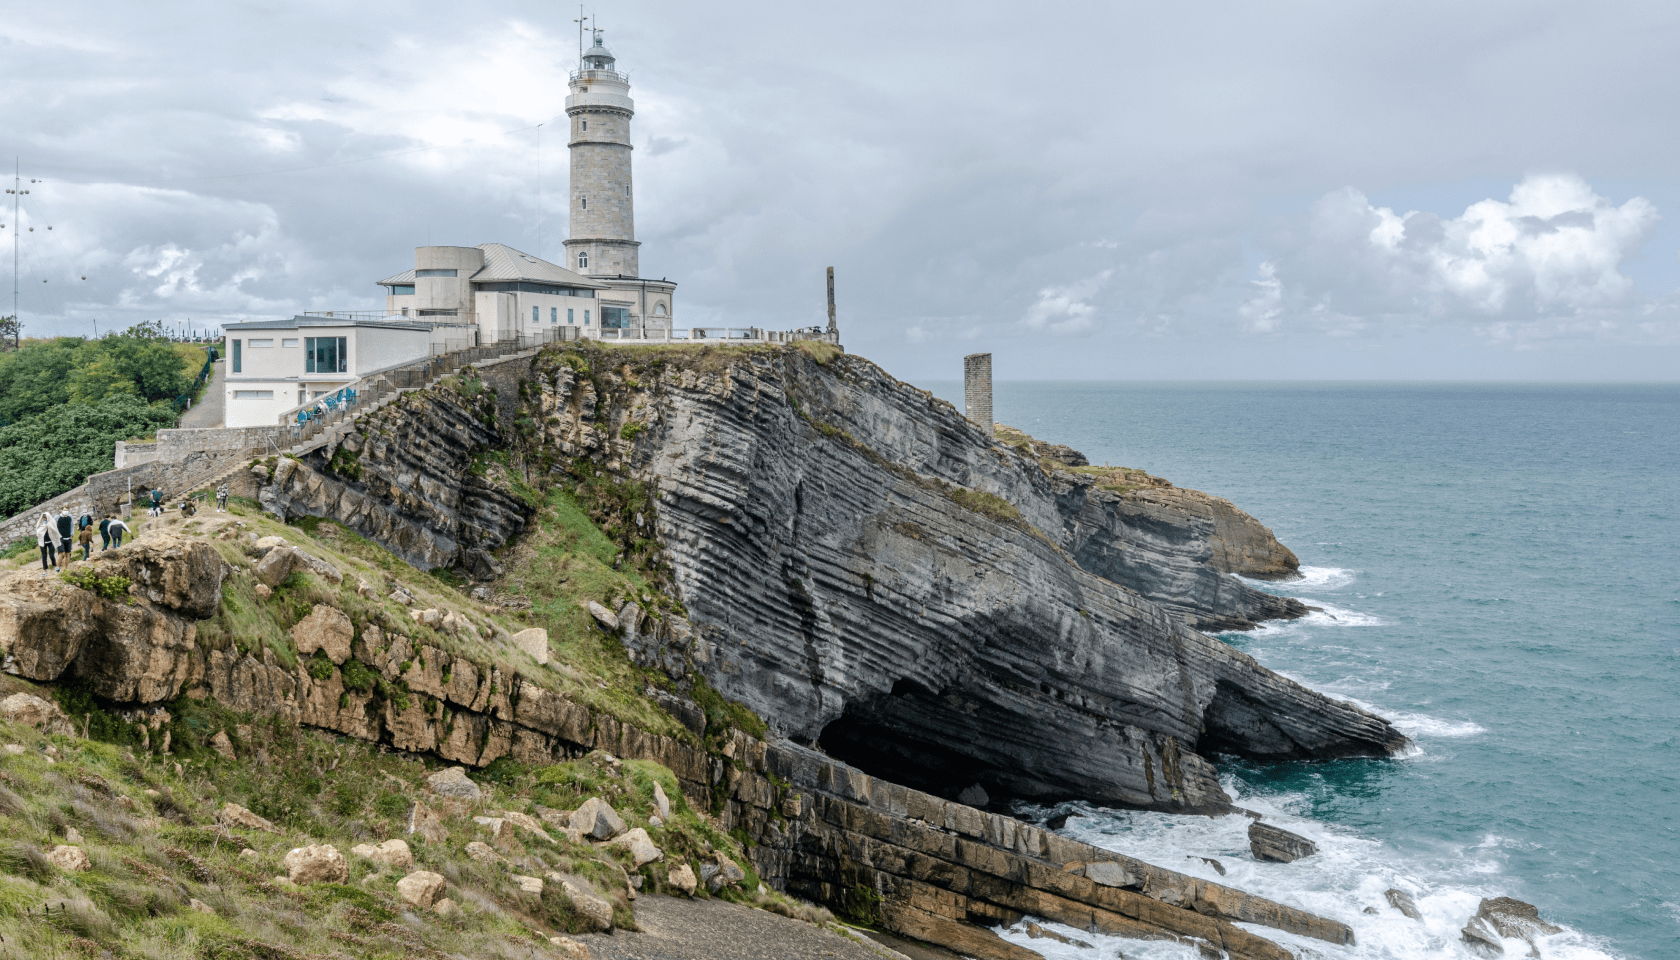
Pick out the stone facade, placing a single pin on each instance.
(977, 390)
(602, 211)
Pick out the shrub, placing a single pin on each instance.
(114, 587)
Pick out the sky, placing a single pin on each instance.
(1120, 190)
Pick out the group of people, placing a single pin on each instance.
(59, 536)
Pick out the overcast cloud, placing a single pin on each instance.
(1087, 190)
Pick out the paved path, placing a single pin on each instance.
(673, 928)
(210, 411)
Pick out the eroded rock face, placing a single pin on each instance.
(836, 587)
(1267, 842)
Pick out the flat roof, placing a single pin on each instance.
(391, 323)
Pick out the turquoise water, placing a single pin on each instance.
(1499, 569)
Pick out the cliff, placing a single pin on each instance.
(868, 571)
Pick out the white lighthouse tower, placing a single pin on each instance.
(603, 220)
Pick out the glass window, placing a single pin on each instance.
(570, 316)
(659, 309)
(236, 357)
(584, 201)
(433, 273)
(586, 318)
(583, 259)
(627, 189)
(404, 289)
(266, 342)
(326, 355)
(536, 315)
(616, 318)
(586, 124)
(553, 314)
(253, 394)
(288, 341)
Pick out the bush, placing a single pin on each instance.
(114, 587)
(47, 454)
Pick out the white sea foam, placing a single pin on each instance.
(1347, 875)
(1315, 579)
(1419, 725)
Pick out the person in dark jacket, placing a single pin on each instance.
(66, 530)
(118, 529)
(105, 533)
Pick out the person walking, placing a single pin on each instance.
(221, 498)
(84, 536)
(157, 502)
(117, 528)
(66, 530)
(105, 533)
(44, 539)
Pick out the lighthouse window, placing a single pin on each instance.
(586, 126)
(627, 189)
(585, 202)
(583, 259)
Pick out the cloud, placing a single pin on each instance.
(1066, 311)
(1554, 250)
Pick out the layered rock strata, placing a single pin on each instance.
(867, 570)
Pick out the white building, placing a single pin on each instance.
(273, 366)
(503, 292)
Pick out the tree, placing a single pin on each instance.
(54, 451)
(9, 330)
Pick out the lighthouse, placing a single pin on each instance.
(603, 196)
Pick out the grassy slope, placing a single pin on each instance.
(151, 858)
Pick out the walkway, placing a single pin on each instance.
(210, 411)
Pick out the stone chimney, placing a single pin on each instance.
(977, 390)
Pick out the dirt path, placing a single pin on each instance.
(678, 929)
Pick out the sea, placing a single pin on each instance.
(1496, 569)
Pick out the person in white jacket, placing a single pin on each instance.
(44, 531)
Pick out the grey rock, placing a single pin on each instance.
(592, 907)
(1111, 874)
(661, 802)
(454, 783)
(606, 618)
(1482, 938)
(974, 795)
(1514, 918)
(1278, 845)
(597, 820)
(1403, 902)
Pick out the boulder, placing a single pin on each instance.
(390, 855)
(1110, 874)
(640, 846)
(1403, 902)
(1516, 919)
(662, 802)
(533, 885)
(69, 859)
(430, 617)
(235, 815)
(446, 908)
(597, 820)
(974, 795)
(597, 911)
(183, 574)
(193, 903)
(1277, 845)
(32, 711)
(222, 745)
(327, 629)
(262, 590)
(277, 565)
(534, 642)
(728, 873)
(1483, 940)
(319, 567)
(569, 948)
(483, 853)
(421, 888)
(681, 877)
(266, 545)
(425, 823)
(72, 836)
(606, 618)
(494, 823)
(526, 822)
(454, 783)
(317, 863)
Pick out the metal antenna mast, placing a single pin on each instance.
(16, 192)
(581, 19)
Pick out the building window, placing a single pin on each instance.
(586, 122)
(616, 318)
(255, 344)
(236, 357)
(553, 314)
(659, 309)
(253, 394)
(583, 259)
(536, 315)
(326, 355)
(584, 201)
(403, 289)
(571, 316)
(586, 318)
(288, 341)
(433, 273)
(627, 189)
